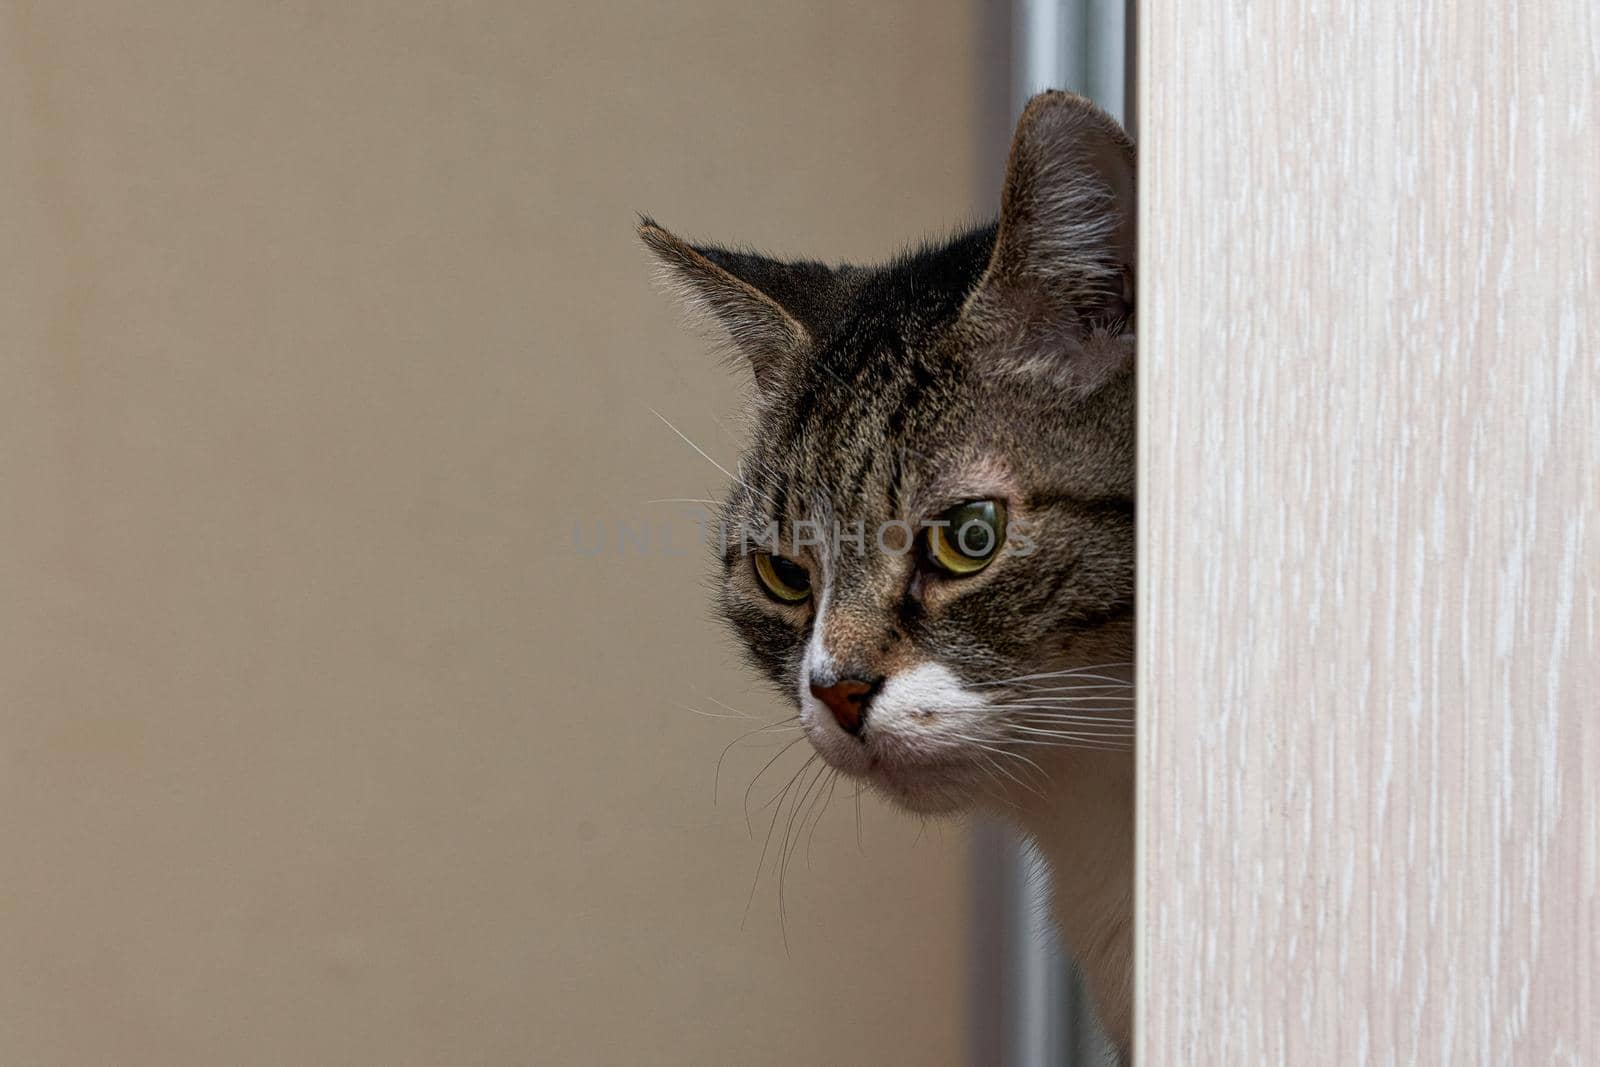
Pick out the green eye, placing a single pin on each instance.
(971, 541)
(783, 579)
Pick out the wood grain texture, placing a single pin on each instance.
(1370, 752)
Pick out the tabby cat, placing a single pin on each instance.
(930, 547)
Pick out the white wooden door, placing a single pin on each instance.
(1370, 605)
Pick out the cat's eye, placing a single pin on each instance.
(972, 538)
(783, 579)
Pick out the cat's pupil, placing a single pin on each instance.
(967, 537)
(791, 573)
(783, 579)
(974, 526)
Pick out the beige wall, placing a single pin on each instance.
(320, 325)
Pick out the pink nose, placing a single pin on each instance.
(847, 700)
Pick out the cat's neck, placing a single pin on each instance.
(1083, 826)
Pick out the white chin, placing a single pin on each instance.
(926, 787)
(940, 796)
(934, 788)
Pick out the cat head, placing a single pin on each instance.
(929, 548)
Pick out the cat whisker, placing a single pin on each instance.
(1059, 704)
(1079, 677)
(997, 765)
(1121, 710)
(990, 766)
(806, 794)
(856, 796)
(785, 851)
(833, 782)
(1095, 744)
(757, 778)
(1065, 703)
(707, 714)
(1110, 681)
(707, 456)
(777, 725)
(1091, 720)
(1020, 733)
(1085, 714)
(1077, 672)
(737, 712)
(1102, 734)
(992, 780)
(1023, 732)
(744, 453)
(767, 844)
(1070, 670)
(986, 746)
(1052, 736)
(1077, 733)
(1093, 689)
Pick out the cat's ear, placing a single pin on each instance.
(1067, 241)
(771, 309)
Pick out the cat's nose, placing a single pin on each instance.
(848, 700)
